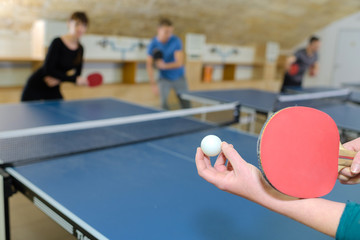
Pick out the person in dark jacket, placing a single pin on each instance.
(63, 63)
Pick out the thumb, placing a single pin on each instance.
(355, 166)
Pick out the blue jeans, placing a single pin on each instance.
(165, 86)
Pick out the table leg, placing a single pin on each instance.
(5, 193)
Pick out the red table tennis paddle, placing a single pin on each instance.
(299, 152)
(294, 69)
(95, 79)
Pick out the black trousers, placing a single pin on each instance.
(289, 81)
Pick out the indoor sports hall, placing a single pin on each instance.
(163, 119)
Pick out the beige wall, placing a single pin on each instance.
(235, 22)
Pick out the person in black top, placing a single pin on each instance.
(297, 64)
(63, 63)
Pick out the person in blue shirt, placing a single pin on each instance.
(166, 52)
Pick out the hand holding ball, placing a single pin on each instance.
(211, 145)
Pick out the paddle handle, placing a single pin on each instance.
(345, 157)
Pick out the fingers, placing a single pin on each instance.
(343, 178)
(355, 166)
(56, 82)
(204, 169)
(346, 172)
(232, 155)
(51, 82)
(351, 181)
(81, 81)
(199, 160)
(354, 145)
(347, 177)
(229, 166)
(220, 162)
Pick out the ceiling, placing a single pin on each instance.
(223, 21)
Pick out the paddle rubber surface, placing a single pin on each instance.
(298, 151)
(95, 79)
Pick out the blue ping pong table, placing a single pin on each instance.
(345, 114)
(146, 190)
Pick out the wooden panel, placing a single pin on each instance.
(18, 59)
(258, 72)
(255, 63)
(35, 65)
(229, 72)
(260, 53)
(282, 60)
(193, 72)
(269, 71)
(129, 72)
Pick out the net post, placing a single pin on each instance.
(236, 113)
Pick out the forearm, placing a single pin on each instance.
(150, 72)
(245, 180)
(320, 214)
(172, 65)
(289, 61)
(59, 75)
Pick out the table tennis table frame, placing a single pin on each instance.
(6, 191)
(10, 185)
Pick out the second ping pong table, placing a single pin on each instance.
(354, 95)
(144, 190)
(344, 113)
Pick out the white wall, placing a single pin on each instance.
(14, 74)
(224, 54)
(14, 44)
(31, 44)
(327, 52)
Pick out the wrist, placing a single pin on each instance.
(269, 197)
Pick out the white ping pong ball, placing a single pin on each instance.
(211, 145)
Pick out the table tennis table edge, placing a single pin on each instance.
(45, 203)
(198, 99)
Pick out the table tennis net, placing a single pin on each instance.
(36, 144)
(314, 99)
